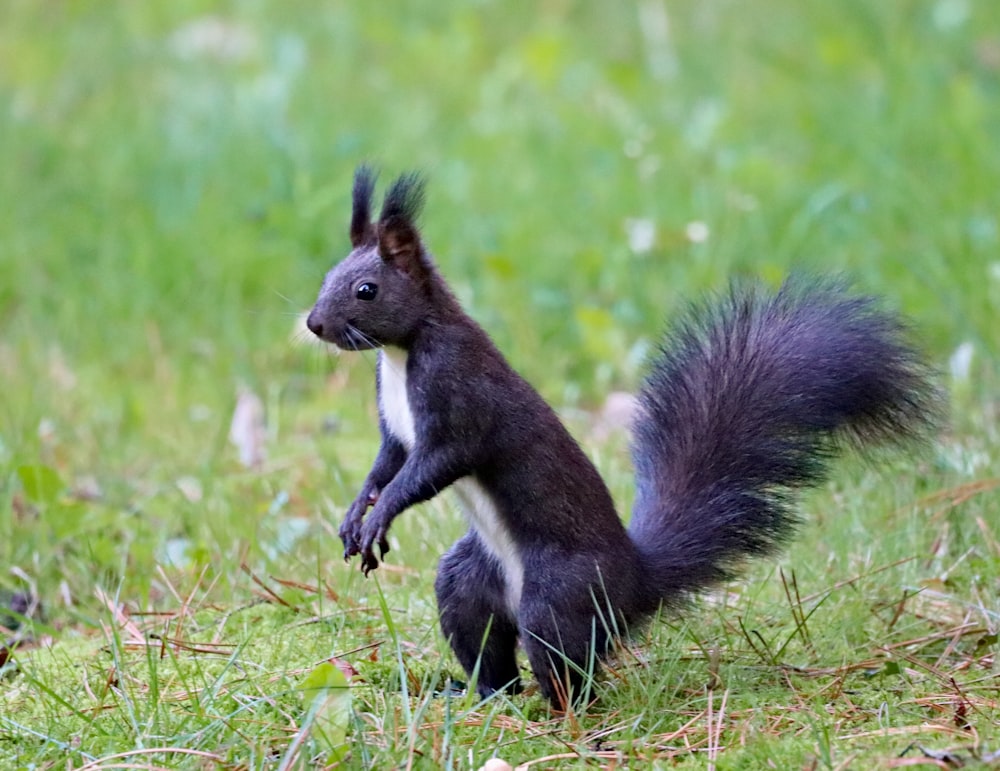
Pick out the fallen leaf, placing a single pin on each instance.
(247, 431)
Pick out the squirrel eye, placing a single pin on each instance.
(367, 291)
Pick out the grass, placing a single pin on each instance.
(175, 180)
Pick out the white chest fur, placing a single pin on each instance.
(393, 401)
(478, 507)
(482, 516)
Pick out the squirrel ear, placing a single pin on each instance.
(398, 239)
(362, 231)
(399, 245)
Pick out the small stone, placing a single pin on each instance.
(496, 764)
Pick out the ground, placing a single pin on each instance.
(175, 456)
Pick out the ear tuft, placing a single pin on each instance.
(362, 231)
(404, 198)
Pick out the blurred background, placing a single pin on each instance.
(175, 179)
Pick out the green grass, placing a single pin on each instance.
(169, 206)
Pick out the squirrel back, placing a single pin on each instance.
(747, 401)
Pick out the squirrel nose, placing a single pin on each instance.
(314, 325)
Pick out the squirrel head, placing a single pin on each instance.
(387, 287)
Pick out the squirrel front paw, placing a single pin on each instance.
(373, 531)
(350, 529)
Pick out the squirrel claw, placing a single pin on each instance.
(368, 563)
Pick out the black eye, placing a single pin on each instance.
(367, 291)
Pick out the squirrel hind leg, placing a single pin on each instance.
(475, 619)
(563, 672)
(566, 634)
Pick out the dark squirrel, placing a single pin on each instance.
(746, 402)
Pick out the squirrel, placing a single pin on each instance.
(746, 402)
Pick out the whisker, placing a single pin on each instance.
(368, 340)
(303, 337)
(349, 335)
(284, 297)
(301, 334)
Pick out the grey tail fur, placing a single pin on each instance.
(746, 403)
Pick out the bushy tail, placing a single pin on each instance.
(747, 401)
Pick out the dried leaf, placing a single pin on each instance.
(247, 431)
